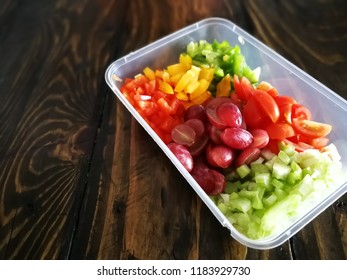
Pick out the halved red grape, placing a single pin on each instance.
(196, 112)
(214, 134)
(260, 138)
(183, 134)
(247, 156)
(219, 155)
(236, 138)
(229, 114)
(197, 125)
(211, 111)
(183, 155)
(211, 181)
(199, 146)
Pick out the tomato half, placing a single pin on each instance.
(268, 104)
(299, 146)
(285, 113)
(243, 87)
(265, 86)
(311, 128)
(254, 115)
(317, 143)
(280, 131)
(301, 112)
(284, 100)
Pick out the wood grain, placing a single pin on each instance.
(81, 179)
(49, 117)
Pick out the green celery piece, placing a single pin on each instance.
(277, 183)
(231, 187)
(240, 204)
(280, 170)
(294, 177)
(284, 157)
(243, 170)
(259, 168)
(253, 229)
(278, 213)
(263, 179)
(223, 208)
(304, 187)
(270, 200)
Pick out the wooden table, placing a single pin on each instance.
(80, 179)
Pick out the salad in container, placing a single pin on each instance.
(260, 141)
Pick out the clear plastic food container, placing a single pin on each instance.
(325, 105)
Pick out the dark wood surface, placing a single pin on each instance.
(80, 179)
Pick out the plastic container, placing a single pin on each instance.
(326, 106)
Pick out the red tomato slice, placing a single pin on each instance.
(280, 131)
(285, 113)
(265, 86)
(254, 115)
(317, 143)
(272, 146)
(243, 87)
(311, 128)
(301, 112)
(284, 100)
(268, 104)
(300, 146)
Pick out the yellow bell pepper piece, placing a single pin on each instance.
(224, 87)
(207, 74)
(203, 86)
(149, 73)
(165, 87)
(186, 61)
(190, 76)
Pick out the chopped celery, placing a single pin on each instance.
(268, 194)
(243, 170)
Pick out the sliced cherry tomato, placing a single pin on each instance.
(254, 115)
(268, 104)
(311, 128)
(299, 146)
(243, 87)
(272, 146)
(317, 143)
(285, 113)
(265, 86)
(284, 100)
(301, 112)
(280, 131)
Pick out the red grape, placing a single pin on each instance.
(211, 111)
(197, 125)
(214, 134)
(247, 156)
(236, 138)
(199, 146)
(183, 134)
(260, 138)
(196, 112)
(219, 155)
(183, 155)
(229, 114)
(211, 181)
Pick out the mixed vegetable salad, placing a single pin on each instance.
(256, 152)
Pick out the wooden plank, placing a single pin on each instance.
(56, 54)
